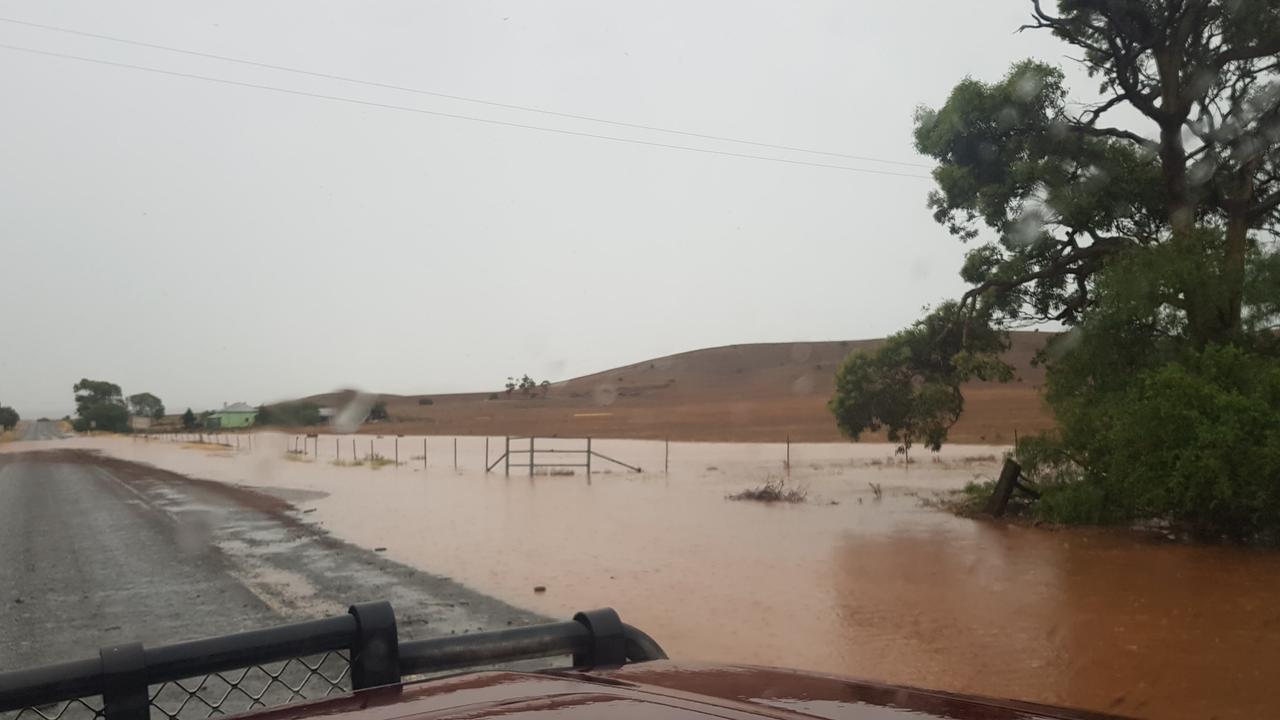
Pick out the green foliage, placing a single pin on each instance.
(1063, 193)
(100, 405)
(910, 386)
(1193, 440)
(189, 421)
(105, 417)
(146, 405)
(96, 392)
(8, 417)
(296, 414)
(1153, 242)
(378, 411)
(526, 385)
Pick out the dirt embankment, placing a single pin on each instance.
(738, 393)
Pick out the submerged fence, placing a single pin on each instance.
(554, 456)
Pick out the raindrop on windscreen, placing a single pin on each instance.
(353, 414)
(604, 394)
(1202, 171)
(1027, 86)
(802, 385)
(1026, 229)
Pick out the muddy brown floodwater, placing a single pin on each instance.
(844, 583)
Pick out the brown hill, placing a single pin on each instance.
(749, 393)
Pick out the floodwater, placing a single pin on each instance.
(883, 589)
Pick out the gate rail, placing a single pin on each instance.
(533, 451)
(123, 675)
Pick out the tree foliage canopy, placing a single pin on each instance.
(910, 386)
(8, 417)
(101, 406)
(1145, 222)
(294, 414)
(1063, 192)
(146, 405)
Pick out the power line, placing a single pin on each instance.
(471, 118)
(462, 98)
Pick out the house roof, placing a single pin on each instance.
(237, 408)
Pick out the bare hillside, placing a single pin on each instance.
(755, 392)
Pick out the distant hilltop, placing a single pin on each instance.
(758, 392)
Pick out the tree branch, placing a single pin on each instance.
(1249, 52)
(1133, 137)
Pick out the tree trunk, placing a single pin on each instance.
(1233, 270)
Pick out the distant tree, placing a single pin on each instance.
(378, 411)
(146, 405)
(8, 417)
(101, 406)
(426, 401)
(297, 414)
(493, 396)
(96, 392)
(546, 387)
(527, 384)
(189, 420)
(511, 385)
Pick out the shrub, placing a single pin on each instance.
(428, 401)
(772, 491)
(1193, 441)
(297, 414)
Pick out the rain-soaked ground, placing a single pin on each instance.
(847, 583)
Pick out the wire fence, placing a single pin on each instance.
(569, 456)
(224, 693)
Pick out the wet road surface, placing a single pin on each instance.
(87, 563)
(42, 430)
(99, 551)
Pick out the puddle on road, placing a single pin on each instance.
(883, 589)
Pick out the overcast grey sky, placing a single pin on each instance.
(213, 243)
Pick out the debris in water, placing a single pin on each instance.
(308, 510)
(379, 549)
(539, 588)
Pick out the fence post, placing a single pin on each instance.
(788, 455)
(455, 454)
(124, 672)
(486, 454)
(355, 457)
(424, 452)
(337, 449)
(506, 458)
(532, 455)
(588, 457)
(371, 450)
(397, 455)
(666, 457)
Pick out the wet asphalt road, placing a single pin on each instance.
(43, 430)
(86, 563)
(96, 551)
